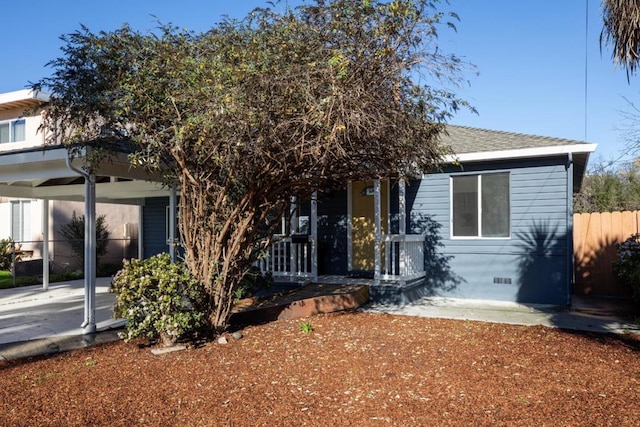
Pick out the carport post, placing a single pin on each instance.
(89, 325)
(45, 244)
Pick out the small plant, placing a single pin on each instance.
(306, 327)
(627, 264)
(158, 299)
(9, 252)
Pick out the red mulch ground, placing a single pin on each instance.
(357, 369)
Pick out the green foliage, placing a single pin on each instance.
(252, 282)
(607, 190)
(73, 233)
(252, 112)
(7, 281)
(627, 264)
(158, 299)
(306, 327)
(7, 250)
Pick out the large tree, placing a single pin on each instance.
(254, 111)
(621, 29)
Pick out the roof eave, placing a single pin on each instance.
(26, 98)
(521, 153)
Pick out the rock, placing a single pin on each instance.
(237, 335)
(222, 340)
(165, 350)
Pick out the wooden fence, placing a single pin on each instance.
(595, 237)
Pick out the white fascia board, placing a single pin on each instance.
(26, 158)
(23, 95)
(16, 191)
(52, 163)
(521, 153)
(35, 171)
(34, 165)
(105, 190)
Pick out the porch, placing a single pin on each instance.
(384, 260)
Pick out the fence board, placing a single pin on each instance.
(595, 236)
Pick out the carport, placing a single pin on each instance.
(50, 173)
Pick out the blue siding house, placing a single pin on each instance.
(494, 223)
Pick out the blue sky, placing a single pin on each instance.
(531, 57)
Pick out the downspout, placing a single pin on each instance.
(89, 324)
(569, 227)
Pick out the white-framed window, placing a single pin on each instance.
(480, 206)
(21, 220)
(13, 131)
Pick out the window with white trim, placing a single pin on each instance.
(13, 131)
(21, 220)
(480, 205)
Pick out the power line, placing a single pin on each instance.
(586, 66)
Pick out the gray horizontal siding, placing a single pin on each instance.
(154, 223)
(533, 258)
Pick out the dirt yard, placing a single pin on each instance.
(355, 369)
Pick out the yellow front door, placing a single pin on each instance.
(363, 222)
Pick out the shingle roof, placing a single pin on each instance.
(463, 139)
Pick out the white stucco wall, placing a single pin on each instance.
(34, 137)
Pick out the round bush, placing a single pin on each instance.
(158, 299)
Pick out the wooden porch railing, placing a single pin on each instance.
(288, 258)
(403, 257)
(292, 258)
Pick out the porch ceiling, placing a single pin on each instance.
(44, 174)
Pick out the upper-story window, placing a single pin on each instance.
(13, 131)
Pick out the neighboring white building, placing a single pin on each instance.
(23, 218)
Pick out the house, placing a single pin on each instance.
(23, 217)
(494, 223)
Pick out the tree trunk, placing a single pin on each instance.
(219, 242)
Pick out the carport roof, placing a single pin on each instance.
(45, 173)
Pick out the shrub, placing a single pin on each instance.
(158, 299)
(7, 248)
(73, 233)
(627, 264)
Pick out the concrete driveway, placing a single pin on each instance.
(34, 321)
